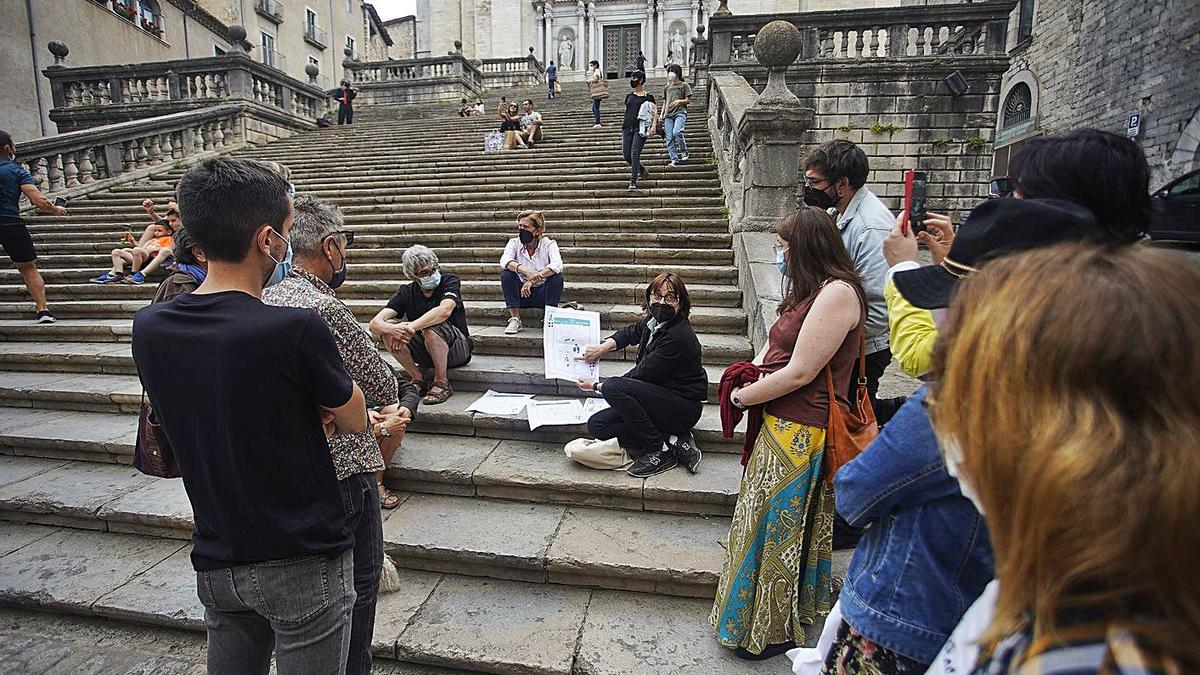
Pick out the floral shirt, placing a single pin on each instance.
(352, 453)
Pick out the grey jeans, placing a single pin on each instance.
(299, 607)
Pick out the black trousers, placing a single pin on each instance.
(631, 150)
(642, 415)
(345, 114)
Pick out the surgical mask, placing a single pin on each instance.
(671, 76)
(818, 198)
(432, 281)
(526, 236)
(781, 261)
(662, 312)
(339, 275)
(953, 454)
(282, 267)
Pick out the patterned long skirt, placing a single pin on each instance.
(778, 560)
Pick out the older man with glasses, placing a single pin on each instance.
(319, 243)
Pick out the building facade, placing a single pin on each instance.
(286, 34)
(1087, 63)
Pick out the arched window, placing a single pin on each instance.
(1018, 106)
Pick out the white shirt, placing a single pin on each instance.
(529, 118)
(545, 255)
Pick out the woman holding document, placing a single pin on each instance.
(654, 406)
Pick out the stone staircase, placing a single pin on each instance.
(513, 558)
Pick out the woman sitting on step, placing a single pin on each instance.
(530, 269)
(654, 406)
(776, 578)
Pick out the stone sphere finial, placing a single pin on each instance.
(348, 52)
(312, 70)
(531, 50)
(59, 50)
(777, 44)
(237, 34)
(723, 9)
(700, 31)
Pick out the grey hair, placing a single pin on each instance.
(284, 172)
(417, 257)
(313, 220)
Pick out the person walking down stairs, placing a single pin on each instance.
(676, 96)
(14, 237)
(654, 406)
(636, 128)
(598, 89)
(530, 269)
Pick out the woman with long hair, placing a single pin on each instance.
(1066, 406)
(776, 577)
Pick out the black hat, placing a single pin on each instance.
(995, 228)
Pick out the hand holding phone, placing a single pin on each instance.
(915, 190)
(60, 201)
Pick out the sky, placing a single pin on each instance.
(390, 9)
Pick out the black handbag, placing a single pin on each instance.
(152, 454)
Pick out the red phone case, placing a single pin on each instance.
(908, 186)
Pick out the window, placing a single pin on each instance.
(350, 45)
(1018, 106)
(1025, 22)
(310, 18)
(148, 11)
(269, 56)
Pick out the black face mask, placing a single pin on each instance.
(818, 198)
(662, 312)
(526, 236)
(339, 275)
(634, 83)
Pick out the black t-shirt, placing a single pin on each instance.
(410, 303)
(633, 104)
(236, 385)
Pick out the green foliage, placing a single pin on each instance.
(725, 212)
(880, 129)
(711, 159)
(977, 143)
(845, 128)
(939, 143)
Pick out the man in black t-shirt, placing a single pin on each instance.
(247, 395)
(425, 325)
(633, 136)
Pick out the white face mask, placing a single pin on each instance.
(952, 451)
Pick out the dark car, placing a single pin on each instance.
(1177, 210)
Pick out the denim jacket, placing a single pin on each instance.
(926, 556)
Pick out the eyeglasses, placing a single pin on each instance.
(348, 234)
(814, 182)
(779, 247)
(669, 298)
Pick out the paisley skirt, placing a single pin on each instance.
(778, 560)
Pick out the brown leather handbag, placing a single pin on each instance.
(851, 428)
(152, 454)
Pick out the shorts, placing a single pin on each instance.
(460, 346)
(17, 243)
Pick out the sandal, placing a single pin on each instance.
(443, 393)
(387, 499)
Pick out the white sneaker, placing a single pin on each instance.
(672, 163)
(631, 187)
(513, 327)
(595, 126)
(684, 158)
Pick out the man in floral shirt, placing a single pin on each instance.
(319, 241)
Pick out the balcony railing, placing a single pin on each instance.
(316, 37)
(519, 71)
(272, 58)
(441, 78)
(271, 10)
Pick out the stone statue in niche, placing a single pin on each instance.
(566, 53)
(678, 47)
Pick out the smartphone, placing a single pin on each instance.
(60, 201)
(915, 189)
(999, 188)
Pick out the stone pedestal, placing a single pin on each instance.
(772, 138)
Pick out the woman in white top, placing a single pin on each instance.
(595, 76)
(531, 269)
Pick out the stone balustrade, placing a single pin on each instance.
(975, 29)
(519, 71)
(439, 78)
(83, 161)
(97, 95)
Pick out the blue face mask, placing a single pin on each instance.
(781, 261)
(432, 281)
(282, 267)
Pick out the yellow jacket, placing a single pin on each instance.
(912, 332)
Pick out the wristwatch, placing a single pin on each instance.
(736, 398)
(596, 386)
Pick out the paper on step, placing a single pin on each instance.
(565, 334)
(591, 406)
(500, 403)
(572, 411)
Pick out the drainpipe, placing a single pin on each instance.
(37, 90)
(187, 54)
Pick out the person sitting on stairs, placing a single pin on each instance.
(425, 325)
(143, 257)
(654, 406)
(530, 269)
(531, 124)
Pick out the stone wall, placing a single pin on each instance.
(403, 32)
(1094, 64)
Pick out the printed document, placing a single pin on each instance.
(567, 333)
(500, 403)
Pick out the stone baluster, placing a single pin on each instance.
(156, 151)
(87, 169)
(936, 40)
(54, 173)
(859, 43)
(873, 46)
(143, 156)
(71, 168)
(920, 43)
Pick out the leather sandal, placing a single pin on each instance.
(439, 392)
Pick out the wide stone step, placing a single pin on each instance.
(533, 542)
(436, 618)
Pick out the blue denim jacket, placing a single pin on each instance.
(926, 556)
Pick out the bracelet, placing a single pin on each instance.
(596, 386)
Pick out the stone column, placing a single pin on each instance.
(646, 32)
(597, 35)
(660, 36)
(589, 28)
(550, 42)
(772, 131)
(580, 41)
(541, 22)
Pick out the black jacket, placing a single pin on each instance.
(671, 359)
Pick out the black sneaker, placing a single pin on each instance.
(653, 463)
(686, 451)
(45, 316)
